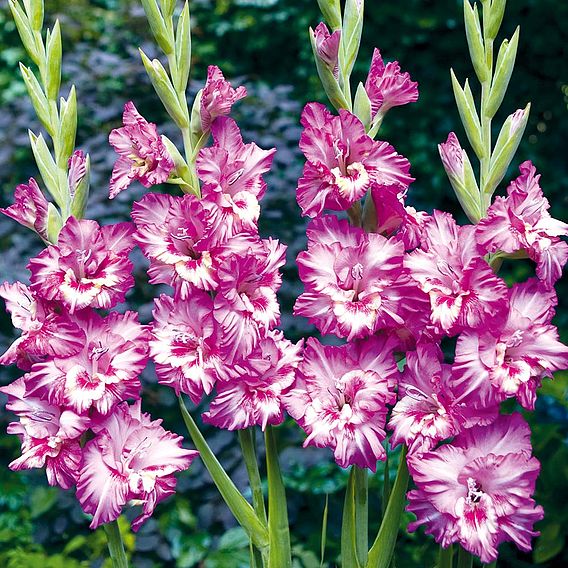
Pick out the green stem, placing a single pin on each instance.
(361, 495)
(278, 527)
(247, 439)
(115, 545)
(386, 484)
(381, 552)
(446, 557)
(485, 161)
(465, 559)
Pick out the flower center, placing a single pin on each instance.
(474, 491)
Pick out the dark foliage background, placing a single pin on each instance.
(263, 43)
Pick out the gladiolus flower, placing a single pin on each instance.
(45, 332)
(521, 221)
(477, 490)
(342, 161)
(29, 208)
(231, 172)
(327, 47)
(49, 435)
(341, 395)
(387, 86)
(255, 395)
(130, 458)
(89, 266)
(510, 360)
(104, 373)
(142, 153)
(217, 97)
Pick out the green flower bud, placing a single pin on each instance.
(47, 167)
(196, 128)
(351, 35)
(35, 51)
(38, 98)
(34, 9)
(67, 127)
(183, 49)
(475, 41)
(158, 26)
(80, 193)
(328, 79)
(331, 10)
(168, 7)
(53, 55)
(182, 170)
(495, 18)
(505, 148)
(165, 90)
(503, 72)
(362, 106)
(468, 115)
(54, 223)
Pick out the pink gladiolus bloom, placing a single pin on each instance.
(522, 221)
(49, 435)
(355, 282)
(510, 360)
(452, 155)
(89, 266)
(342, 161)
(185, 344)
(104, 373)
(29, 208)
(142, 153)
(464, 292)
(477, 490)
(341, 395)
(217, 97)
(231, 172)
(396, 219)
(45, 332)
(327, 47)
(174, 233)
(77, 171)
(255, 395)
(387, 86)
(130, 458)
(246, 306)
(427, 411)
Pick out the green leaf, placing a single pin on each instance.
(115, 545)
(382, 550)
(549, 543)
(475, 41)
(324, 530)
(348, 526)
(35, 14)
(238, 505)
(279, 555)
(503, 71)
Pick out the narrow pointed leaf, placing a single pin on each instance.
(475, 41)
(503, 71)
(238, 505)
(324, 530)
(348, 529)
(183, 49)
(382, 550)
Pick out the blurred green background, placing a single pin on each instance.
(263, 44)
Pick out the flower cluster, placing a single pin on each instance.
(82, 367)
(395, 283)
(216, 331)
